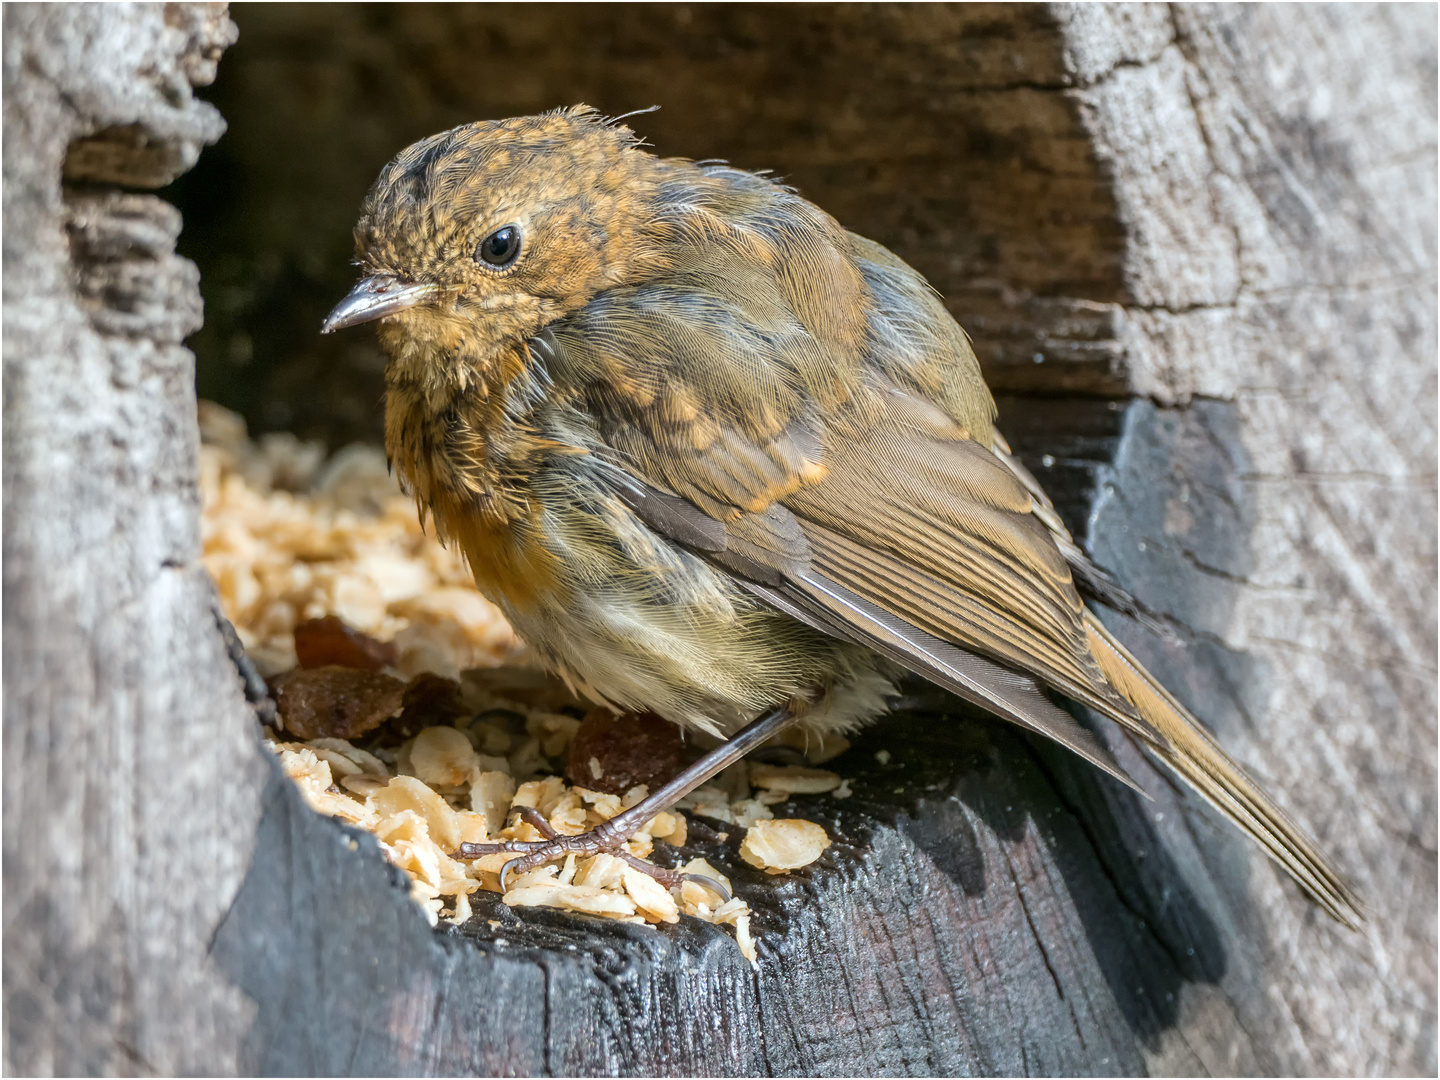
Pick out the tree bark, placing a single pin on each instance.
(131, 778)
(1276, 183)
(1195, 247)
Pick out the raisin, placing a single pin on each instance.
(430, 699)
(635, 748)
(329, 641)
(336, 702)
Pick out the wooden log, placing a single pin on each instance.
(1216, 222)
(131, 773)
(1280, 269)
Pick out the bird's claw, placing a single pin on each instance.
(505, 876)
(717, 887)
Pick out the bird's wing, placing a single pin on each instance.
(770, 555)
(858, 453)
(938, 532)
(857, 505)
(854, 482)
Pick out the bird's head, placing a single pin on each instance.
(476, 238)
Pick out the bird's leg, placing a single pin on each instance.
(608, 836)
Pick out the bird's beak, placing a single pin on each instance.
(374, 298)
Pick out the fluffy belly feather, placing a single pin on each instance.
(637, 623)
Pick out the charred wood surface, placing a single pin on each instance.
(986, 908)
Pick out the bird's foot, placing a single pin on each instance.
(532, 853)
(609, 837)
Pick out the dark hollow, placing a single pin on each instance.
(938, 131)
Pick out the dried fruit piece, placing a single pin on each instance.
(431, 699)
(780, 846)
(614, 753)
(329, 641)
(336, 702)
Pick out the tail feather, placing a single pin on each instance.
(1193, 753)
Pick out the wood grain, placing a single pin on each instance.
(1282, 264)
(130, 767)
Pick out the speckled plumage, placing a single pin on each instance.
(711, 453)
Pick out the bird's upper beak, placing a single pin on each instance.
(374, 298)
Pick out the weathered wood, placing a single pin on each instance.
(1217, 221)
(1276, 171)
(939, 936)
(130, 770)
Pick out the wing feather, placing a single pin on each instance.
(1193, 753)
(940, 609)
(833, 609)
(850, 476)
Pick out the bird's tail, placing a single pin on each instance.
(1193, 753)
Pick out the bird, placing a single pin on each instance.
(720, 459)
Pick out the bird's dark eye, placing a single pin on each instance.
(500, 248)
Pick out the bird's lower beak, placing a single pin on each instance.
(374, 298)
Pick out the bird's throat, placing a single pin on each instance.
(466, 454)
(447, 429)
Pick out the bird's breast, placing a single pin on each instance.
(512, 565)
(471, 471)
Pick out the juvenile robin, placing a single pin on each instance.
(718, 458)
